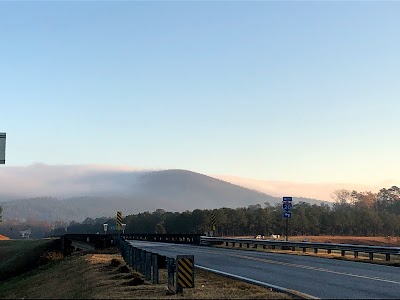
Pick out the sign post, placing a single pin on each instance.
(2, 157)
(2, 148)
(105, 226)
(287, 214)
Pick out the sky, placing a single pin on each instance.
(287, 91)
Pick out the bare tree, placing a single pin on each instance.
(342, 197)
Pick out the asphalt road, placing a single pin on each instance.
(319, 277)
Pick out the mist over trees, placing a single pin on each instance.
(352, 213)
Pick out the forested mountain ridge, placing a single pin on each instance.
(171, 190)
(353, 213)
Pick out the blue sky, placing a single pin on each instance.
(300, 91)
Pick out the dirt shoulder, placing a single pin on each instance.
(92, 276)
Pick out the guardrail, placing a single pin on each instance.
(148, 263)
(287, 245)
(99, 241)
(179, 238)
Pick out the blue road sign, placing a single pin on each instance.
(287, 206)
(287, 215)
(287, 198)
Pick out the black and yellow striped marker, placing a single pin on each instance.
(119, 220)
(185, 271)
(213, 222)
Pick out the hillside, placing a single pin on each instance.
(171, 190)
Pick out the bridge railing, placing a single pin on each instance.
(179, 238)
(288, 245)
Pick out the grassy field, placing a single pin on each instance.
(92, 276)
(19, 256)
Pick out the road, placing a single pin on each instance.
(319, 277)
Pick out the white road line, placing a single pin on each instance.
(264, 284)
(293, 265)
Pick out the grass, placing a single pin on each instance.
(98, 276)
(92, 276)
(20, 256)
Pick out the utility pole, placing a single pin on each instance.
(2, 158)
(2, 148)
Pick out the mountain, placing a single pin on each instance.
(40, 208)
(105, 192)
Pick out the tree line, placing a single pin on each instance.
(352, 213)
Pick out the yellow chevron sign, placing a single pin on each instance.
(185, 271)
(119, 220)
(213, 222)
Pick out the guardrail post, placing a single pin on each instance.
(240, 245)
(126, 248)
(148, 266)
(128, 256)
(329, 251)
(143, 262)
(136, 257)
(387, 257)
(304, 249)
(133, 257)
(343, 252)
(155, 268)
(255, 246)
(273, 247)
(316, 250)
(264, 246)
(233, 244)
(355, 254)
(226, 244)
(293, 248)
(371, 255)
(171, 271)
(139, 260)
(248, 245)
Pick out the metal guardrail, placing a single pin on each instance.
(287, 245)
(99, 241)
(179, 238)
(148, 263)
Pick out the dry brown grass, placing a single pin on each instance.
(92, 276)
(362, 240)
(390, 241)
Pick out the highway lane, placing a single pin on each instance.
(319, 277)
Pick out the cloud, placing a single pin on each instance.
(320, 191)
(66, 180)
